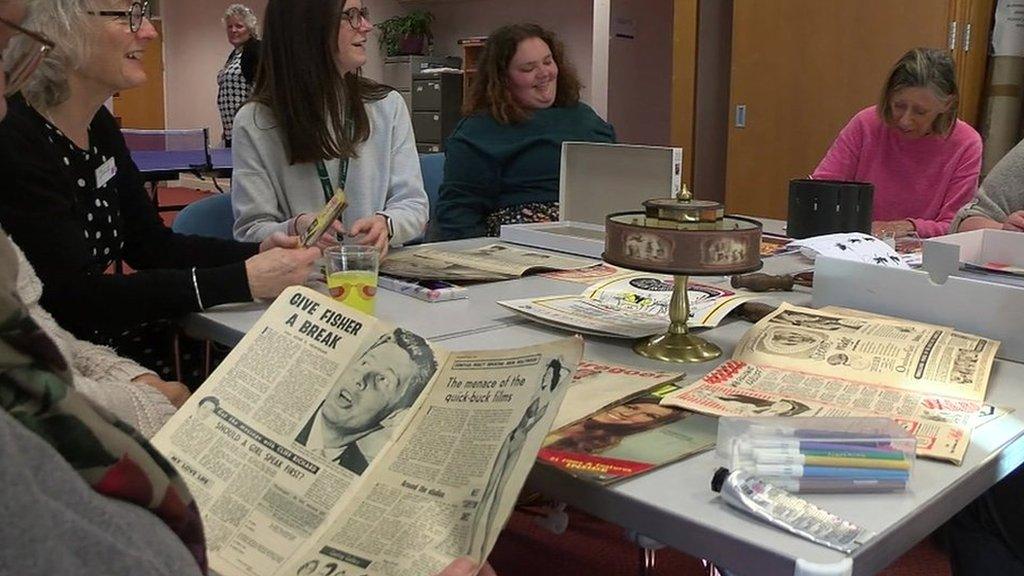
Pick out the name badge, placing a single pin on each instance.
(105, 172)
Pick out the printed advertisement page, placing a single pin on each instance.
(630, 306)
(629, 437)
(886, 351)
(280, 431)
(941, 425)
(449, 482)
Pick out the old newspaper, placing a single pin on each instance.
(805, 362)
(329, 442)
(629, 306)
(492, 262)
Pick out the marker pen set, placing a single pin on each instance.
(820, 454)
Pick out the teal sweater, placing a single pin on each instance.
(489, 166)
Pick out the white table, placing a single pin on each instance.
(674, 505)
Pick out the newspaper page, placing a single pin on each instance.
(416, 264)
(870, 349)
(629, 437)
(298, 415)
(630, 306)
(494, 261)
(942, 425)
(453, 475)
(589, 275)
(596, 385)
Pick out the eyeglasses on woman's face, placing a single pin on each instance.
(18, 71)
(356, 17)
(134, 15)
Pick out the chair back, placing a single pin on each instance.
(432, 167)
(210, 216)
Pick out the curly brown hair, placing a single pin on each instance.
(489, 92)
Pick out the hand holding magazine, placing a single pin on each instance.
(331, 442)
(805, 362)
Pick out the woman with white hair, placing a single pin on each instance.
(235, 80)
(75, 202)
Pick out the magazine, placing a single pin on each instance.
(804, 362)
(630, 306)
(496, 261)
(629, 437)
(329, 442)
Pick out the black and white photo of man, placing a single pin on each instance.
(356, 418)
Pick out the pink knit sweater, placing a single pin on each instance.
(925, 180)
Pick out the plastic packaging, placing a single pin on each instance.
(825, 455)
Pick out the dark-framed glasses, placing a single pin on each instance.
(356, 17)
(138, 12)
(19, 70)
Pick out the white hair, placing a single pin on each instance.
(63, 21)
(245, 15)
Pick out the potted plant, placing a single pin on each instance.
(408, 34)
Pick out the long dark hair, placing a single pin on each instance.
(298, 80)
(489, 92)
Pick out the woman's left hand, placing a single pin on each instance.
(176, 392)
(897, 228)
(373, 231)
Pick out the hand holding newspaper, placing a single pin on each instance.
(804, 362)
(331, 442)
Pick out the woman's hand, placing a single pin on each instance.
(373, 231)
(894, 228)
(176, 392)
(330, 236)
(1015, 222)
(466, 567)
(270, 272)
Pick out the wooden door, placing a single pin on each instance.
(143, 107)
(802, 69)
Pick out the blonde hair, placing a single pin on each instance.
(245, 15)
(63, 21)
(930, 68)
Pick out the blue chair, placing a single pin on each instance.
(432, 167)
(210, 216)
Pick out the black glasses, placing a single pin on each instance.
(135, 15)
(18, 71)
(356, 17)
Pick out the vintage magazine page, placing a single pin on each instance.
(302, 411)
(895, 353)
(453, 475)
(596, 385)
(942, 425)
(589, 275)
(629, 437)
(494, 261)
(634, 305)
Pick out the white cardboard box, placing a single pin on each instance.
(939, 292)
(597, 179)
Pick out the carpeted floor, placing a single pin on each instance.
(591, 547)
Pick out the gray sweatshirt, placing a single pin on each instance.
(1002, 192)
(266, 191)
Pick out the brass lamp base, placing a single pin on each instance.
(677, 348)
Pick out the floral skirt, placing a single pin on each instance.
(521, 214)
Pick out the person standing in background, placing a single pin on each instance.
(236, 79)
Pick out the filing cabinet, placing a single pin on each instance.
(399, 70)
(436, 108)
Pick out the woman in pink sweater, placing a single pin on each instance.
(923, 161)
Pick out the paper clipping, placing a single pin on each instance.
(804, 362)
(329, 442)
(492, 262)
(631, 306)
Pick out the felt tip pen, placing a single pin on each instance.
(818, 448)
(835, 485)
(799, 471)
(771, 457)
(809, 433)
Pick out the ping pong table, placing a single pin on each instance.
(162, 165)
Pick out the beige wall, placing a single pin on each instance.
(639, 69)
(195, 48)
